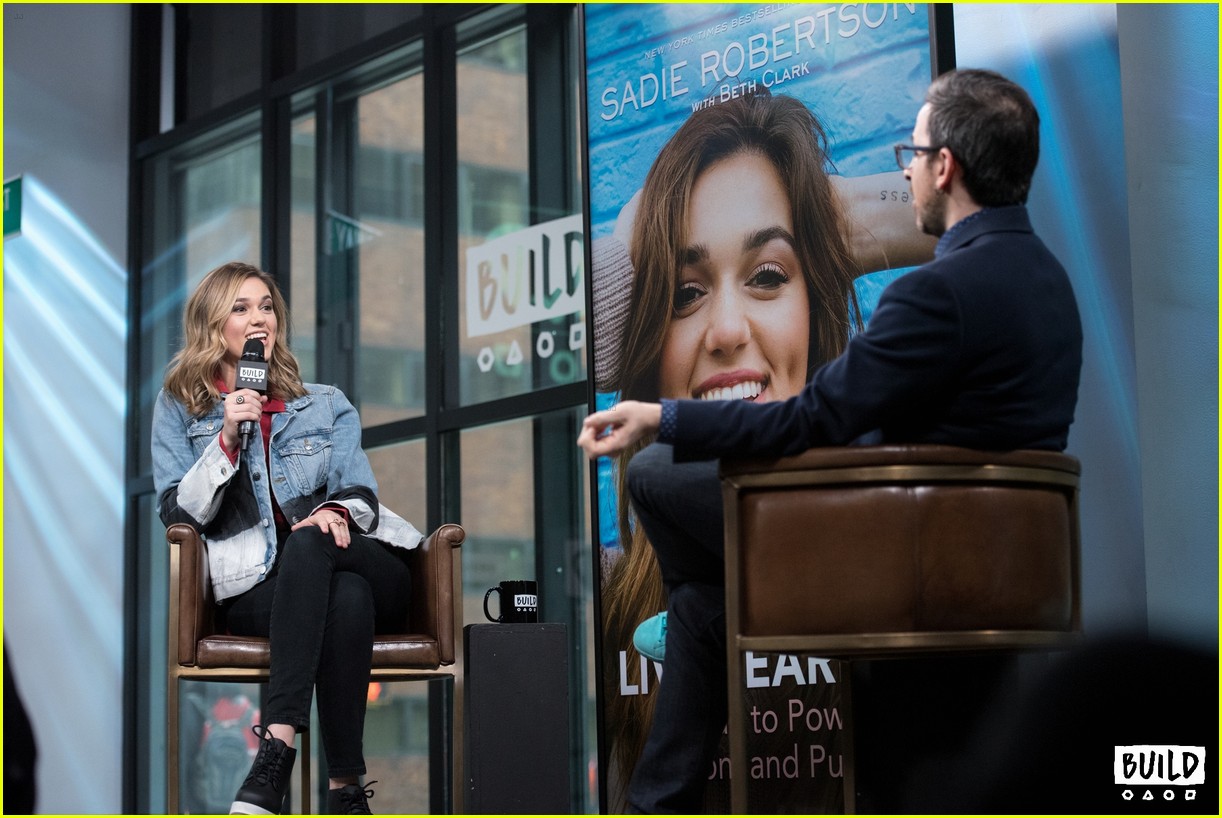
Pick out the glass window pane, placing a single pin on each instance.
(521, 309)
(224, 53)
(523, 493)
(498, 510)
(386, 233)
(303, 270)
(402, 485)
(396, 724)
(151, 595)
(215, 743)
(397, 747)
(324, 29)
(202, 210)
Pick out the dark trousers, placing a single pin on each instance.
(680, 508)
(320, 607)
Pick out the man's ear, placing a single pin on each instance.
(948, 167)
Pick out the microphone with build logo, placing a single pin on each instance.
(252, 374)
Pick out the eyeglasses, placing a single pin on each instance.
(904, 154)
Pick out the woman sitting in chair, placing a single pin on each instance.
(299, 549)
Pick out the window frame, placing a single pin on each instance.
(158, 127)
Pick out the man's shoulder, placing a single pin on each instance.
(1001, 238)
(991, 222)
(999, 267)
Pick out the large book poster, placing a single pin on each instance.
(700, 117)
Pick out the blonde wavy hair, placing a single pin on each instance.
(192, 373)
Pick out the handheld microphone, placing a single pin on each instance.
(252, 374)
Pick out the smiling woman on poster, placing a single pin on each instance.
(745, 256)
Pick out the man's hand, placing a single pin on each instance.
(612, 430)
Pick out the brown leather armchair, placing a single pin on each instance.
(425, 650)
(889, 551)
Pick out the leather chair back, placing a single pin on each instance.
(890, 551)
(905, 539)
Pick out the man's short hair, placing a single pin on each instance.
(991, 126)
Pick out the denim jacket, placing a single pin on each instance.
(315, 459)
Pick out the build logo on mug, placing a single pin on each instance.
(519, 601)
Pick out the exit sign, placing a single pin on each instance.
(12, 207)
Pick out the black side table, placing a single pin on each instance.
(516, 719)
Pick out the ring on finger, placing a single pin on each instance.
(240, 399)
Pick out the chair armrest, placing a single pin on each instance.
(433, 567)
(190, 590)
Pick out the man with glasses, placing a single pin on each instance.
(980, 348)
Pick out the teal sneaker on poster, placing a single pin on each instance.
(649, 639)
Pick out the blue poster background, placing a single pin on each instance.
(865, 78)
(863, 70)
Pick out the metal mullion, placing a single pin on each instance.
(441, 347)
(440, 260)
(279, 43)
(343, 289)
(548, 138)
(276, 183)
(333, 193)
(181, 36)
(337, 67)
(557, 502)
(557, 490)
(217, 126)
(600, 693)
(941, 37)
(515, 407)
(549, 114)
(143, 116)
(278, 47)
(322, 203)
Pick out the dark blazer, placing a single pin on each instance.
(981, 348)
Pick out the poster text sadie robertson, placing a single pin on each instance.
(739, 58)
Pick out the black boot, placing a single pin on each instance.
(262, 793)
(350, 800)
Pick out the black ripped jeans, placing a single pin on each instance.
(320, 606)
